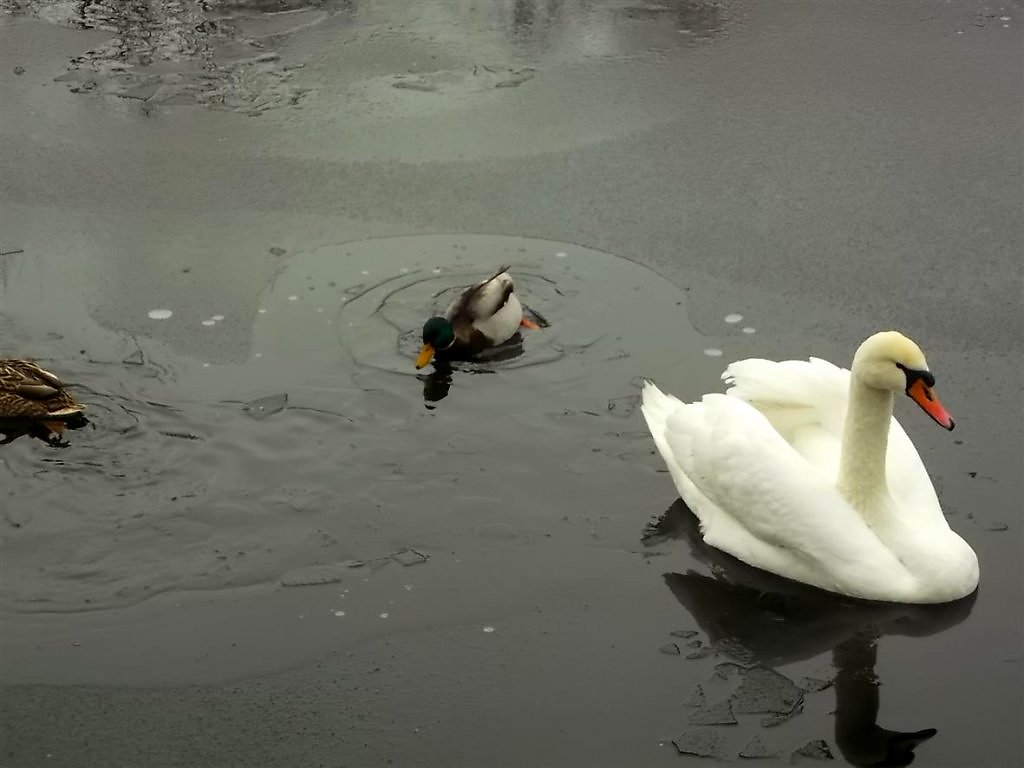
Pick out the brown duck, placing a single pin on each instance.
(35, 402)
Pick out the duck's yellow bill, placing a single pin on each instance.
(426, 355)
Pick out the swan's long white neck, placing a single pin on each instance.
(861, 477)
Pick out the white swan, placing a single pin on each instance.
(801, 470)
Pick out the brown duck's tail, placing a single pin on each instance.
(501, 269)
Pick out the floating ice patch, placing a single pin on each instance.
(733, 318)
(159, 314)
(749, 329)
(713, 352)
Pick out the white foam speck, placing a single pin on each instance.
(159, 314)
(258, 354)
(206, 365)
(403, 270)
(339, 613)
(561, 254)
(319, 309)
(344, 298)
(1006, 26)
(365, 272)
(733, 318)
(408, 587)
(1004, 18)
(959, 31)
(217, 318)
(488, 629)
(749, 329)
(293, 298)
(384, 615)
(262, 311)
(209, 322)
(437, 270)
(713, 352)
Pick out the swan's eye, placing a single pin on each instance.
(913, 375)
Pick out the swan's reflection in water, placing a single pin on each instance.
(758, 618)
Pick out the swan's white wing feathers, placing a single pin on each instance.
(759, 500)
(806, 402)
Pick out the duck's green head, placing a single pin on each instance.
(437, 334)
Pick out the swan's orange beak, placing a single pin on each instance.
(528, 323)
(426, 355)
(925, 396)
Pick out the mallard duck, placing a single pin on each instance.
(484, 315)
(34, 401)
(800, 469)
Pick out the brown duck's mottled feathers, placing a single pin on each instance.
(484, 299)
(30, 392)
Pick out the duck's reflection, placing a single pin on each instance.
(757, 617)
(438, 382)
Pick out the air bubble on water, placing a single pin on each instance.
(713, 352)
(159, 314)
(733, 318)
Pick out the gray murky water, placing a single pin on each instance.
(280, 544)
